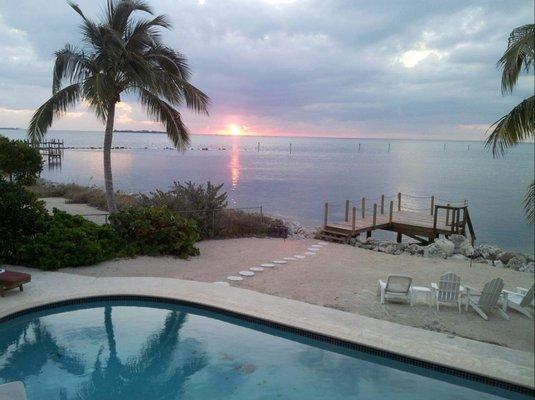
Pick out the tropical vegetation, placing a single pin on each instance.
(519, 124)
(121, 55)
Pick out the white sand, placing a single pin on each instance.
(341, 277)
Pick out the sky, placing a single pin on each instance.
(342, 68)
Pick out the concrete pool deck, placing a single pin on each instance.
(490, 360)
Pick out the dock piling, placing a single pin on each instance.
(382, 204)
(374, 214)
(391, 212)
(325, 215)
(399, 201)
(347, 211)
(354, 219)
(363, 205)
(432, 204)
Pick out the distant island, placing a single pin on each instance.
(7, 128)
(134, 131)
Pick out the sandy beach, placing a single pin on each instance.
(341, 277)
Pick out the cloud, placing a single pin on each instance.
(303, 67)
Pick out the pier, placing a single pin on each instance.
(403, 214)
(51, 150)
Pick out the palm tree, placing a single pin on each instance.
(119, 55)
(519, 124)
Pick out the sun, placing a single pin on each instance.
(234, 130)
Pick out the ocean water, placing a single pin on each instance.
(262, 171)
(133, 350)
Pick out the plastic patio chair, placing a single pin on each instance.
(522, 301)
(396, 287)
(487, 300)
(448, 290)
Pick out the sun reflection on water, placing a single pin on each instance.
(234, 165)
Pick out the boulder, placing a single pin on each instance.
(506, 256)
(442, 248)
(415, 249)
(530, 267)
(480, 259)
(387, 247)
(495, 263)
(488, 252)
(467, 250)
(459, 257)
(516, 263)
(458, 241)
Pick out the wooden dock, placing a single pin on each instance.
(423, 224)
(51, 150)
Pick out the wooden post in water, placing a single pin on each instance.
(399, 201)
(391, 212)
(382, 204)
(363, 205)
(354, 219)
(325, 215)
(347, 211)
(447, 214)
(374, 214)
(359, 147)
(290, 148)
(258, 147)
(389, 147)
(432, 204)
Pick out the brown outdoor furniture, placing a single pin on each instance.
(12, 280)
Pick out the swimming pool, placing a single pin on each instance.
(141, 349)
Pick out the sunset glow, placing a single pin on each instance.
(234, 130)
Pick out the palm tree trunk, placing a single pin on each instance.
(108, 178)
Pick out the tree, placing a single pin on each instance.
(121, 55)
(519, 124)
(19, 162)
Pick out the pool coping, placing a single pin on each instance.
(490, 364)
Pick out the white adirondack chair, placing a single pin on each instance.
(396, 287)
(522, 301)
(487, 300)
(448, 290)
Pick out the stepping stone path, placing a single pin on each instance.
(312, 249)
(256, 269)
(222, 283)
(310, 253)
(299, 256)
(247, 273)
(317, 246)
(234, 278)
(279, 262)
(290, 258)
(267, 265)
(323, 243)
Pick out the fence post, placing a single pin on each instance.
(354, 219)
(432, 204)
(363, 204)
(347, 210)
(399, 201)
(391, 212)
(382, 204)
(325, 215)
(447, 214)
(374, 214)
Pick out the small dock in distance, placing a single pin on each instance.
(400, 215)
(51, 150)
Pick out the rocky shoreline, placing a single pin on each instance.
(456, 247)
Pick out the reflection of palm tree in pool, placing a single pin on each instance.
(34, 347)
(143, 376)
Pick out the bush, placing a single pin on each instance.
(156, 231)
(70, 241)
(19, 162)
(22, 215)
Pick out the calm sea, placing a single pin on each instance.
(296, 185)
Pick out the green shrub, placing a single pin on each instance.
(70, 241)
(21, 215)
(19, 162)
(156, 231)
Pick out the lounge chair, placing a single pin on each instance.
(397, 287)
(448, 290)
(521, 300)
(487, 300)
(11, 280)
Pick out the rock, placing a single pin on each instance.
(467, 249)
(387, 247)
(458, 241)
(499, 264)
(515, 263)
(480, 260)
(415, 249)
(442, 248)
(530, 267)
(398, 252)
(366, 246)
(353, 241)
(488, 252)
(458, 257)
(506, 256)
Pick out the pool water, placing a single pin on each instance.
(150, 350)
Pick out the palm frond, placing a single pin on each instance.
(529, 203)
(196, 100)
(513, 128)
(163, 112)
(170, 61)
(70, 64)
(57, 105)
(143, 34)
(520, 55)
(120, 12)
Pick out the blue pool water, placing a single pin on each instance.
(145, 350)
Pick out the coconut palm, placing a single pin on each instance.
(519, 124)
(121, 55)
